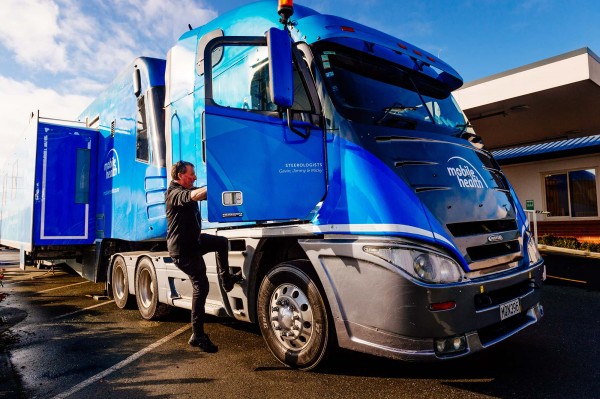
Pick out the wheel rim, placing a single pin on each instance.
(119, 283)
(146, 288)
(291, 317)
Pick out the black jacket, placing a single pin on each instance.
(183, 220)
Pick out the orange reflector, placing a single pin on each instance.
(286, 3)
(402, 46)
(347, 29)
(431, 59)
(417, 52)
(442, 306)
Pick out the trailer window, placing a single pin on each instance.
(82, 176)
(572, 193)
(141, 131)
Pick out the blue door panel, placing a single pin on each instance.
(64, 200)
(257, 169)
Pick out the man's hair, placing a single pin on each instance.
(179, 167)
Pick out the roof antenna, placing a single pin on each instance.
(190, 26)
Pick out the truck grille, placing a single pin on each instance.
(493, 250)
(481, 227)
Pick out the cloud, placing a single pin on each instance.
(95, 37)
(166, 21)
(29, 28)
(20, 99)
(69, 50)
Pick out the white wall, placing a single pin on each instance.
(528, 179)
(534, 80)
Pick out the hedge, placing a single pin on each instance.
(568, 242)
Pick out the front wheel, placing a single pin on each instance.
(146, 292)
(293, 317)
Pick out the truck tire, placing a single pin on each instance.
(120, 284)
(146, 292)
(293, 317)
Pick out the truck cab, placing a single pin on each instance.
(360, 206)
(368, 177)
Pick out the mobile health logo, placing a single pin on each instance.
(466, 174)
(111, 164)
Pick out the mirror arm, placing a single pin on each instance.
(293, 129)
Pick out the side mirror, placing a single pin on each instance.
(137, 82)
(281, 87)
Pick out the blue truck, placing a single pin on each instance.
(359, 205)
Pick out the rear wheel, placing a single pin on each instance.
(120, 284)
(146, 289)
(293, 317)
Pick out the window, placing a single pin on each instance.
(572, 193)
(141, 132)
(373, 90)
(82, 176)
(244, 81)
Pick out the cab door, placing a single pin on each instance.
(259, 166)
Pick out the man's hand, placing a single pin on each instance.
(199, 194)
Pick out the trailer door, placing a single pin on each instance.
(258, 169)
(65, 179)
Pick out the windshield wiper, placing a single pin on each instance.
(471, 137)
(463, 128)
(396, 109)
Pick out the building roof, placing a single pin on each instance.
(546, 101)
(549, 150)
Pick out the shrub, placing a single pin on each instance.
(568, 242)
(590, 246)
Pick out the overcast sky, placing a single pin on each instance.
(57, 55)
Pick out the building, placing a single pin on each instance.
(542, 123)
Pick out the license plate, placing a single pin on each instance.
(509, 309)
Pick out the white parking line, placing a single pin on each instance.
(82, 310)
(64, 286)
(568, 279)
(121, 364)
(36, 275)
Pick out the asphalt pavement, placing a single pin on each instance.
(571, 267)
(57, 341)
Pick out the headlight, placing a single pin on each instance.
(427, 266)
(532, 251)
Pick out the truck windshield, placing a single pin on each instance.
(372, 90)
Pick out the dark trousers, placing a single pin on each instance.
(193, 265)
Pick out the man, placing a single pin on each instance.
(187, 245)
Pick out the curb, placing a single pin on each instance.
(567, 251)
